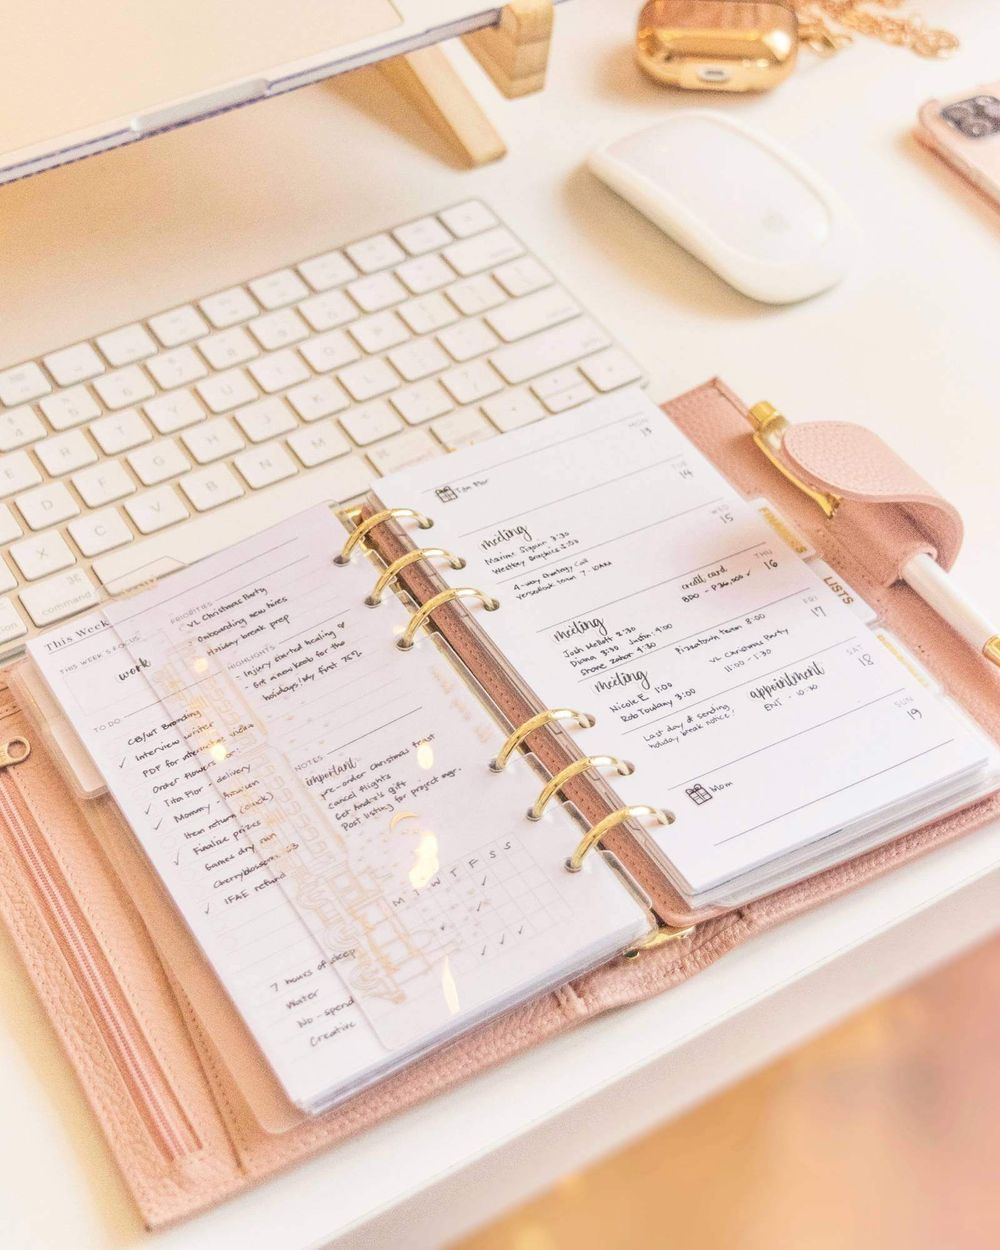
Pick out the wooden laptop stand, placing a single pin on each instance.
(514, 53)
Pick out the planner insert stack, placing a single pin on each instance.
(306, 771)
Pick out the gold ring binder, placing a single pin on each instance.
(377, 518)
(660, 936)
(13, 751)
(393, 570)
(583, 719)
(445, 596)
(591, 838)
(623, 767)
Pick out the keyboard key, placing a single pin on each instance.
(329, 351)
(318, 444)
(229, 307)
(419, 403)
(17, 472)
(459, 429)
(370, 423)
(466, 219)
(482, 251)
(278, 370)
(425, 273)
(428, 313)
(49, 504)
(519, 318)
(103, 483)
(266, 419)
(12, 625)
(158, 461)
(227, 390)
(327, 311)
(379, 332)
(228, 348)
(176, 368)
(213, 440)
(209, 488)
(327, 271)
(71, 407)
(174, 412)
(400, 453)
(98, 532)
(126, 346)
(476, 295)
(59, 597)
(120, 432)
(124, 387)
(261, 466)
(22, 384)
(472, 382)
(319, 397)
(550, 349)
(414, 361)
(156, 509)
(610, 369)
(378, 291)
(180, 325)
(562, 389)
(378, 252)
(63, 453)
(277, 289)
(279, 329)
(467, 339)
(368, 378)
(513, 409)
(7, 579)
(423, 235)
(18, 427)
(74, 364)
(44, 554)
(9, 528)
(522, 276)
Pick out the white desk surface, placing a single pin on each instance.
(907, 343)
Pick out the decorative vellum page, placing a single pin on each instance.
(318, 805)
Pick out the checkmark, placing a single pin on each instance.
(177, 860)
(207, 906)
(122, 764)
(149, 809)
(158, 823)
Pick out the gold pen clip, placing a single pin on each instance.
(769, 429)
(14, 751)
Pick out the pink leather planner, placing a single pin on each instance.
(189, 1106)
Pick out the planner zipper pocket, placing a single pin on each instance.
(154, 1100)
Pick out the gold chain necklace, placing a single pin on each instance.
(826, 25)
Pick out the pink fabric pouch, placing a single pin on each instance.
(188, 1131)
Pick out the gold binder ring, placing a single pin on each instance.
(377, 518)
(591, 838)
(583, 719)
(622, 767)
(393, 570)
(445, 596)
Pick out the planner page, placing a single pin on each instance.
(637, 585)
(319, 806)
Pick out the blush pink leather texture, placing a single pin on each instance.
(175, 1111)
(853, 462)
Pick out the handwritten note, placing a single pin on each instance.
(318, 805)
(636, 584)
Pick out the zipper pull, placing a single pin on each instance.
(14, 751)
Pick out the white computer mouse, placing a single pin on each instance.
(735, 199)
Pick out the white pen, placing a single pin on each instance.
(921, 572)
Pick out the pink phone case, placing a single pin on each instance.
(964, 130)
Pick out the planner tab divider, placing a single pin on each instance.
(538, 730)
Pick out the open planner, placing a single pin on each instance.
(321, 786)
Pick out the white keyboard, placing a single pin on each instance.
(160, 442)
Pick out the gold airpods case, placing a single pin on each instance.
(718, 45)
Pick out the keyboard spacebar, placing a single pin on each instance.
(163, 553)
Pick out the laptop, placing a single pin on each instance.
(82, 78)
